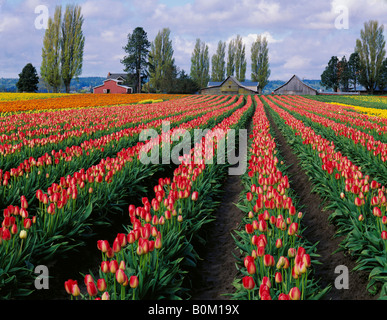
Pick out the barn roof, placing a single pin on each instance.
(298, 79)
(116, 76)
(247, 84)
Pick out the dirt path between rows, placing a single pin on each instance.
(318, 229)
(215, 273)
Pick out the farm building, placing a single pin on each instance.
(113, 84)
(296, 87)
(230, 86)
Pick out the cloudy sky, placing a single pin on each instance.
(302, 35)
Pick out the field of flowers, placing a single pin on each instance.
(72, 180)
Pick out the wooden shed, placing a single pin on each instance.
(230, 86)
(295, 87)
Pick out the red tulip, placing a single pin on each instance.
(195, 195)
(294, 293)
(68, 285)
(283, 296)
(251, 268)
(278, 277)
(133, 282)
(101, 284)
(248, 282)
(120, 276)
(384, 235)
(91, 288)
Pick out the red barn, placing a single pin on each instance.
(113, 84)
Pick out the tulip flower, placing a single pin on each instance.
(133, 282)
(384, 235)
(105, 296)
(251, 268)
(294, 293)
(283, 296)
(91, 289)
(101, 284)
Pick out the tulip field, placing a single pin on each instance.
(73, 179)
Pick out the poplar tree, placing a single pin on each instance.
(72, 44)
(50, 67)
(218, 62)
(371, 50)
(260, 70)
(200, 64)
(240, 59)
(163, 71)
(231, 58)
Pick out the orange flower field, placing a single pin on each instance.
(77, 101)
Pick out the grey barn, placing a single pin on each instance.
(295, 87)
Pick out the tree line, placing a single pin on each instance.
(154, 61)
(366, 66)
(150, 66)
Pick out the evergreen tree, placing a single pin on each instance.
(343, 73)
(50, 68)
(330, 76)
(28, 79)
(260, 71)
(200, 64)
(371, 50)
(354, 69)
(136, 62)
(72, 44)
(218, 63)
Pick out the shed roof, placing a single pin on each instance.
(116, 76)
(247, 84)
(298, 79)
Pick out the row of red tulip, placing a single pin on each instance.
(341, 113)
(75, 150)
(17, 127)
(144, 252)
(277, 264)
(89, 128)
(378, 148)
(70, 197)
(359, 201)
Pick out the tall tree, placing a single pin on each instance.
(218, 62)
(260, 71)
(343, 74)
(162, 73)
(383, 76)
(50, 67)
(371, 50)
(240, 59)
(231, 58)
(200, 64)
(28, 79)
(354, 69)
(330, 76)
(72, 44)
(136, 62)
